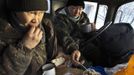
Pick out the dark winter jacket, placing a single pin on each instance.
(69, 32)
(117, 44)
(51, 39)
(18, 60)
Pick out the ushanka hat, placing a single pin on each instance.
(76, 3)
(27, 5)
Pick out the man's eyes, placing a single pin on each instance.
(31, 12)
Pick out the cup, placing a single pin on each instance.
(49, 69)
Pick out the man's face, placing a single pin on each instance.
(75, 11)
(30, 18)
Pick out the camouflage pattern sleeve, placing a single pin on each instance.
(64, 38)
(14, 61)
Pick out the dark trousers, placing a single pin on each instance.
(91, 53)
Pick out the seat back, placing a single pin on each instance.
(117, 39)
(116, 42)
(3, 8)
(56, 4)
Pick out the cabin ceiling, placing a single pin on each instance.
(111, 2)
(105, 2)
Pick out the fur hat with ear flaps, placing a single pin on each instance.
(76, 3)
(27, 5)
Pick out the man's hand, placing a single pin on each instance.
(76, 57)
(32, 37)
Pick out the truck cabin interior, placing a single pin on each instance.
(115, 37)
(113, 6)
(117, 32)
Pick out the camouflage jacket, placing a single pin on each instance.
(16, 59)
(69, 33)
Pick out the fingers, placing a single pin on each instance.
(33, 37)
(32, 29)
(76, 55)
(40, 34)
(36, 31)
(82, 61)
(73, 56)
